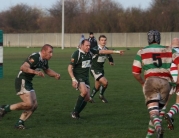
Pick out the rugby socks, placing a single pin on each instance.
(162, 113)
(94, 91)
(20, 122)
(102, 89)
(173, 110)
(7, 108)
(151, 130)
(78, 104)
(156, 122)
(82, 106)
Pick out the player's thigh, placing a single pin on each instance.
(164, 91)
(34, 98)
(83, 89)
(156, 89)
(27, 98)
(97, 84)
(103, 80)
(23, 86)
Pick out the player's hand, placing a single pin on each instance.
(111, 63)
(121, 52)
(74, 83)
(57, 76)
(39, 73)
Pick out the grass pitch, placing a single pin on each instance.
(125, 116)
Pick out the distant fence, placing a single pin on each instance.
(72, 40)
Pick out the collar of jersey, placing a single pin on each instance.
(101, 47)
(81, 51)
(40, 56)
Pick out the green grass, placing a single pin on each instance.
(125, 116)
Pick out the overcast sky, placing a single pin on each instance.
(6, 4)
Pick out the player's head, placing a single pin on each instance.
(85, 45)
(47, 51)
(91, 34)
(175, 42)
(153, 37)
(102, 40)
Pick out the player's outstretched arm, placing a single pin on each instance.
(121, 52)
(52, 73)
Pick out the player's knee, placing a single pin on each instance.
(153, 111)
(84, 93)
(28, 105)
(105, 84)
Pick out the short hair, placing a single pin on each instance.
(102, 36)
(83, 41)
(46, 46)
(91, 33)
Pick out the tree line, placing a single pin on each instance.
(82, 16)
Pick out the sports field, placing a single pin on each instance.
(125, 116)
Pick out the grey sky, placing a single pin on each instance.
(6, 4)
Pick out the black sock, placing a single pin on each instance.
(19, 122)
(82, 106)
(93, 92)
(78, 104)
(102, 90)
(7, 108)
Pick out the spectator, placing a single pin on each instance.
(92, 40)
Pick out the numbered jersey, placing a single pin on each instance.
(155, 60)
(81, 63)
(36, 63)
(98, 60)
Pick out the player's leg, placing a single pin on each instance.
(83, 93)
(25, 95)
(26, 104)
(87, 98)
(151, 130)
(27, 113)
(97, 75)
(173, 110)
(151, 88)
(94, 90)
(104, 83)
(154, 116)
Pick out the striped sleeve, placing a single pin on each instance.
(175, 57)
(137, 64)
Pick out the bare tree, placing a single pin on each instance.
(21, 18)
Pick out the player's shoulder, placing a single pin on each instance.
(35, 56)
(106, 48)
(75, 53)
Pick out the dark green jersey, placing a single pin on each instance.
(81, 63)
(99, 59)
(36, 63)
